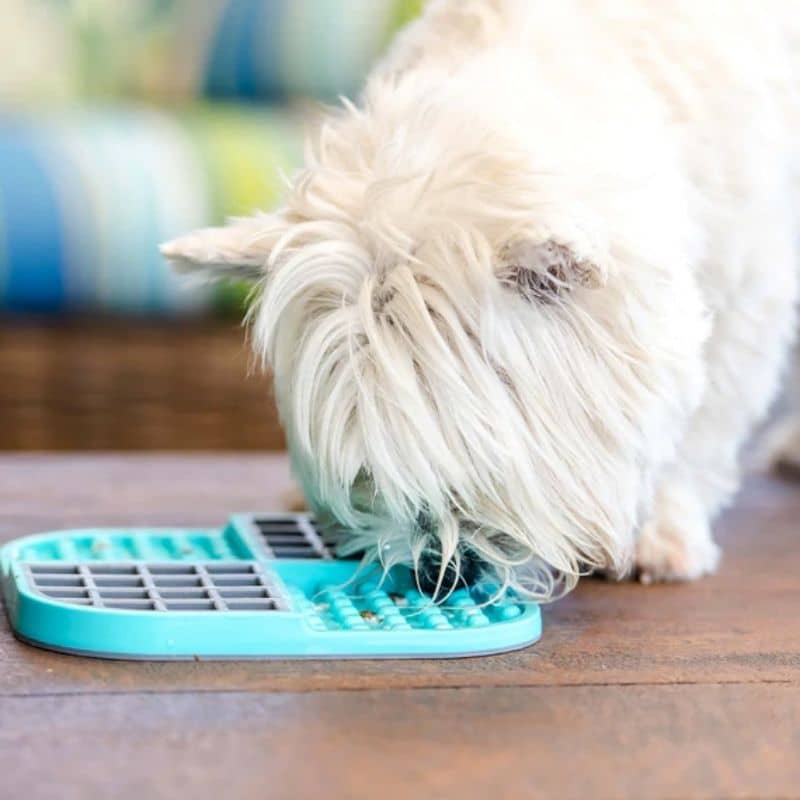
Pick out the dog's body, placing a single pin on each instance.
(525, 304)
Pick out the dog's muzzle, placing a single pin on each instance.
(429, 568)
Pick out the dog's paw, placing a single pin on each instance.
(674, 549)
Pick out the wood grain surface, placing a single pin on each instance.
(662, 691)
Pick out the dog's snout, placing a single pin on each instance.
(456, 574)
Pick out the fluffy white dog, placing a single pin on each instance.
(528, 298)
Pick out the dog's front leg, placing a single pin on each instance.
(675, 543)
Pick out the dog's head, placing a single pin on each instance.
(470, 370)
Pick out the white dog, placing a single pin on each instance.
(528, 298)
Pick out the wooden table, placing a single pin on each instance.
(663, 691)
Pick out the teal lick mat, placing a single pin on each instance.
(265, 586)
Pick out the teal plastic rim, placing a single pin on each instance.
(264, 586)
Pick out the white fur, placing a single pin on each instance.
(530, 296)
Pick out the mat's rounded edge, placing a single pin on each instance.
(123, 634)
(533, 636)
(293, 657)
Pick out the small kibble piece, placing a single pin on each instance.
(398, 599)
(370, 616)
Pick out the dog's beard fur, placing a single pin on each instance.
(456, 371)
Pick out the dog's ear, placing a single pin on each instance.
(238, 251)
(546, 270)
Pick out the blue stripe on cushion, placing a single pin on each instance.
(242, 61)
(75, 206)
(267, 53)
(32, 225)
(221, 63)
(276, 48)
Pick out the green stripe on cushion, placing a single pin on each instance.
(405, 11)
(242, 151)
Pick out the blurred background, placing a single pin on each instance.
(124, 123)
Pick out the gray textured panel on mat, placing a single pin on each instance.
(167, 586)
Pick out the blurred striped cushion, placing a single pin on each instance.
(179, 49)
(86, 197)
(274, 48)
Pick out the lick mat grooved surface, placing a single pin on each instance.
(264, 586)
